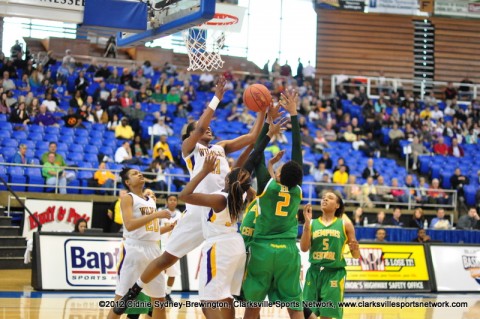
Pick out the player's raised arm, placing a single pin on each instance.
(201, 126)
(289, 101)
(273, 161)
(215, 201)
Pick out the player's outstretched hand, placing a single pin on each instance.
(273, 113)
(277, 157)
(307, 213)
(220, 87)
(289, 100)
(163, 214)
(276, 128)
(209, 164)
(353, 245)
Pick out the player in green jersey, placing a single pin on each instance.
(274, 266)
(326, 238)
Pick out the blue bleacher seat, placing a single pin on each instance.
(91, 158)
(8, 152)
(75, 157)
(19, 135)
(75, 184)
(9, 142)
(6, 126)
(50, 137)
(67, 131)
(91, 149)
(52, 130)
(35, 136)
(16, 175)
(81, 132)
(34, 128)
(5, 134)
(81, 140)
(34, 177)
(3, 175)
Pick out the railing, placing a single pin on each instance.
(168, 177)
(310, 195)
(372, 85)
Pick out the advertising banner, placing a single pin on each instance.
(352, 5)
(55, 215)
(386, 267)
(458, 8)
(456, 268)
(393, 6)
(79, 263)
(63, 10)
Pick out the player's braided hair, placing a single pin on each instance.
(239, 182)
(124, 176)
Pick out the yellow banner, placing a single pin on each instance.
(380, 262)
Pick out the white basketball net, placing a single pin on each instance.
(205, 42)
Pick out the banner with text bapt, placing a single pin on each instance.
(55, 215)
(456, 268)
(458, 8)
(385, 267)
(352, 5)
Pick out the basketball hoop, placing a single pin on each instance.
(205, 41)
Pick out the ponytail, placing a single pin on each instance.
(239, 183)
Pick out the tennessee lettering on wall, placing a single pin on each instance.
(55, 215)
(385, 267)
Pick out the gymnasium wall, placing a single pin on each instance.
(457, 45)
(359, 43)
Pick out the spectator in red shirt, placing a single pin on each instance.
(455, 150)
(440, 148)
(435, 194)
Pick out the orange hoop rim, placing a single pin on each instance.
(230, 19)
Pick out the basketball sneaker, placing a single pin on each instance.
(121, 304)
(168, 298)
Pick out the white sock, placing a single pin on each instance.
(168, 290)
(140, 283)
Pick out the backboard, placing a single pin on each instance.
(166, 17)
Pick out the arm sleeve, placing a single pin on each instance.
(261, 171)
(257, 155)
(296, 141)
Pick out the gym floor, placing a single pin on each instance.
(18, 300)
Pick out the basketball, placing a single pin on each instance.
(257, 97)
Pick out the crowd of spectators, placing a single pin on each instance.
(32, 92)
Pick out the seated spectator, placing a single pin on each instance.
(340, 176)
(380, 235)
(20, 156)
(19, 115)
(104, 177)
(138, 147)
(450, 93)
(206, 82)
(397, 192)
(418, 149)
(455, 149)
(422, 190)
(436, 113)
(426, 114)
(396, 218)
(100, 114)
(329, 133)
(155, 178)
(358, 217)
(162, 144)
(54, 174)
(123, 155)
(418, 220)
(340, 163)
(8, 83)
(320, 141)
(327, 160)
(440, 222)
(369, 193)
(422, 236)
(348, 135)
(72, 119)
(113, 123)
(371, 147)
(160, 128)
(395, 135)
(370, 171)
(440, 147)
(352, 190)
(173, 96)
(80, 226)
(435, 194)
(246, 118)
(471, 137)
(380, 218)
(429, 99)
(318, 173)
(458, 181)
(44, 117)
(383, 190)
(470, 220)
(124, 131)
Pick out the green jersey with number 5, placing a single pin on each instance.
(328, 243)
(277, 212)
